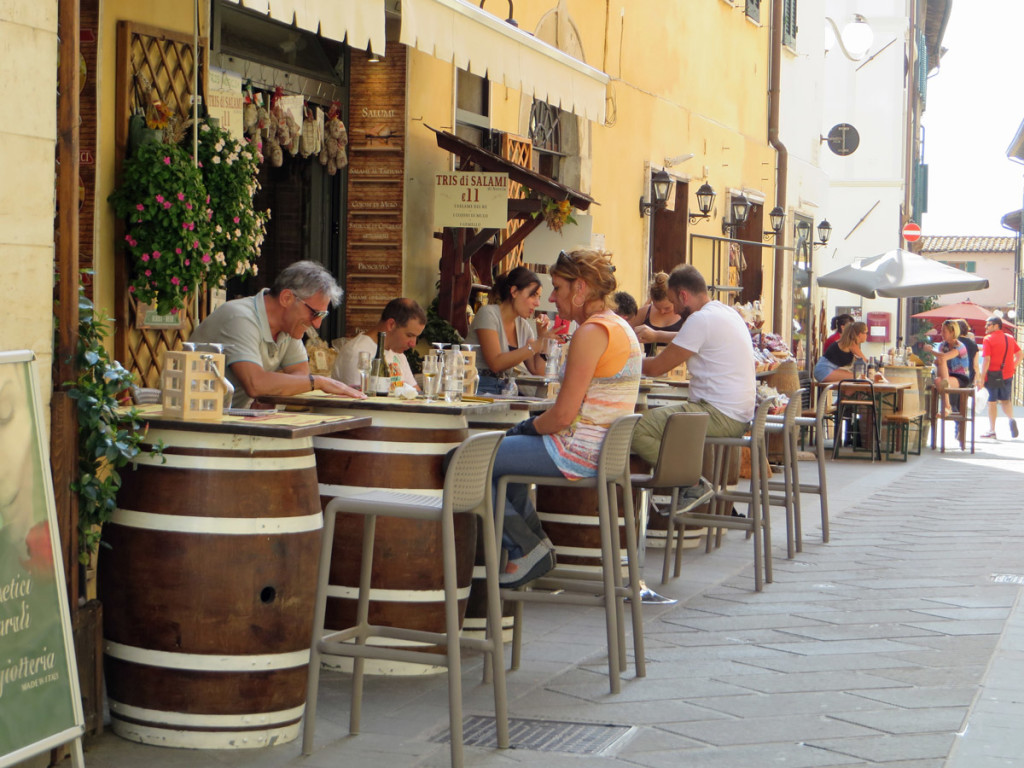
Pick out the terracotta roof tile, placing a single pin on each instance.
(937, 244)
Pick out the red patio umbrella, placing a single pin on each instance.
(974, 314)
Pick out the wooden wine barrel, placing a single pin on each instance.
(208, 587)
(569, 517)
(402, 450)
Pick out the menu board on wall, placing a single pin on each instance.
(376, 169)
(40, 702)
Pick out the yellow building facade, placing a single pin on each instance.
(687, 93)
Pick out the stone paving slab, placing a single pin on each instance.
(768, 730)
(896, 720)
(881, 749)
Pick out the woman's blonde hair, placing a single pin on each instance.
(954, 326)
(658, 289)
(850, 333)
(591, 265)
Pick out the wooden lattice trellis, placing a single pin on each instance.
(518, 150)
(162, 61)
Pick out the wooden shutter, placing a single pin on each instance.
(754, 10)
(789, 23)
(166, 61)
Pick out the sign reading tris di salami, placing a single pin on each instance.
(471, 199)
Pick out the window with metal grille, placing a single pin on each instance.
(754, 10)
(546, 136)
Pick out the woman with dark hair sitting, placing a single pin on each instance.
(657, 321)
(511, 341)
(839, 322)
(600, 383)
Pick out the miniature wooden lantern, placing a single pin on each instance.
(191, 386)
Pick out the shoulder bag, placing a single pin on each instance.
(994, 378)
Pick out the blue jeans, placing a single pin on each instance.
(489, 385)
(521, 455)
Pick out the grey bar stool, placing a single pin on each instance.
(565, 586)
(819, 423)
(786, 427)
(467, 488)
(678, 469)
(757, 523)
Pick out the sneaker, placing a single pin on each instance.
(1013, 427)
(532, 565)
(989, 436)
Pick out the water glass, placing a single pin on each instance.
(553, 353)
(431, 377)
(454, 375)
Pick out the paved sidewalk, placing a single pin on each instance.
(900, 643)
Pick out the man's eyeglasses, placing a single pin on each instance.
(318, 314)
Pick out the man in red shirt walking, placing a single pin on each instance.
(1002, 356)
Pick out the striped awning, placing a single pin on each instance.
(360, 23)
(477, 41)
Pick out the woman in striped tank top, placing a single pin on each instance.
(600, 383)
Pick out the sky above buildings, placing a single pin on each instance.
(972, 113)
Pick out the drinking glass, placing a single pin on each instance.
(509, 388)
(431, 377)
(552, 352)
(363, 364)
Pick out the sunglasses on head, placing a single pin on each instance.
(566, 258)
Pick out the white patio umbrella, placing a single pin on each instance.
(900, 274)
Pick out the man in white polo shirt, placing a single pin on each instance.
(715, 345)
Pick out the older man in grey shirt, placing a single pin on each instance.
(262, 335)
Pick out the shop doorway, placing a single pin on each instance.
(306, 206)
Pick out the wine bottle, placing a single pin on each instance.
(380, 375)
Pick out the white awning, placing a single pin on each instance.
(454, 30)
(360, 23)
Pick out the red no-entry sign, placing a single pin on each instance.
(911, 232)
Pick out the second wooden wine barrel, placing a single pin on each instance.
(400, 451)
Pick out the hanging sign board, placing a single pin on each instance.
(40, 702)
(471, 199)
(224, 100)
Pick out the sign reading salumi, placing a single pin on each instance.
(471, 199)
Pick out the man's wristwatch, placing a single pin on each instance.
(312, 384)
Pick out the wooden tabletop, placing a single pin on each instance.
(469, 406)
(281, 424)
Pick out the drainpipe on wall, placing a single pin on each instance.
(911, 135)
(781, 167)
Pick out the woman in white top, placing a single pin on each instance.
(511, 341)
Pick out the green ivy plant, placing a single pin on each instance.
(109, 437)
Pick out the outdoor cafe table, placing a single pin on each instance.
(402, 450)
(888, 399)
(208, 580)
